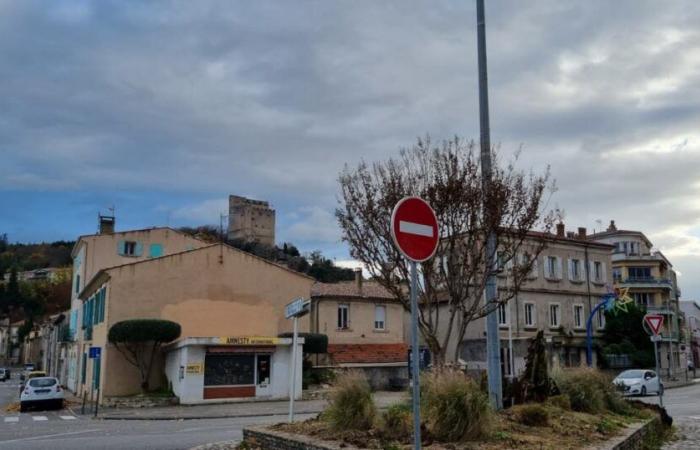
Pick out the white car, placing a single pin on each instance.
(41, 390)
(638, 382)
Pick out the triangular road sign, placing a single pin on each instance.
(654, 321)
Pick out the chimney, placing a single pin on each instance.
(106, 224)
(612, 226)
(358, 278)
(560, 229)
(571, 235)
(582, 233)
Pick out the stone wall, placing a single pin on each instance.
(278, 440)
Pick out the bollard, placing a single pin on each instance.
(82, 408)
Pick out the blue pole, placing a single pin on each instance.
(589, 333)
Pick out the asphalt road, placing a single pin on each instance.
(683, 404)
(64, 429)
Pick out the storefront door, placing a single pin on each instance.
(263, 376)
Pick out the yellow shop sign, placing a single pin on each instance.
(249, 340)
(194, 368)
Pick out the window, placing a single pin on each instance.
(554, 315)
(343, 317)
(575, 270)
(379, 317)
(601, 318)
(578, 316)
(530, 314)
(597, 271)
(263, 369)
(551, 266)
(77, 284)
(617, 274)
(502, 314)
(639, 273)
(130, 248)
(644, 299)
(229, 370)
(500, 261)
(506, 369)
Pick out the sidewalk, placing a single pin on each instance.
(230, 410)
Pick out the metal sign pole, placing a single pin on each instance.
(658, 374)
(293, 378)
(415, 372)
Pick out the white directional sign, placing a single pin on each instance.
(298, 307)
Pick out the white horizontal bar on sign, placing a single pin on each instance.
(415, 228)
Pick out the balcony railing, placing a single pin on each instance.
(663, 309)
(648, 280)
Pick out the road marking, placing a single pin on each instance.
(415, 228)
(68, 417)
(12, 419)
(34, 438)
(39, 418)
(695, 417)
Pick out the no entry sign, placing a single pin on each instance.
(414, 228)
(654, 321)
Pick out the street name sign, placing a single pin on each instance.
(655, 321)
(95, 352)
(414, 228)
(298, 307)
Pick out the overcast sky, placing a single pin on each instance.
(164, 108)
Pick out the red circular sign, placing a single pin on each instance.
(414, 228)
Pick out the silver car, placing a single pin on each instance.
(638, 382)
(41, 390)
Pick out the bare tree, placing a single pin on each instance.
(452, 282)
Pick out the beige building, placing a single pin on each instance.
(651, 281)
(108, 248)
(230, 305)
(251, 220)
(566, 283)
(365, 328)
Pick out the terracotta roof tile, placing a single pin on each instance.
(368, 353)
(370, 289)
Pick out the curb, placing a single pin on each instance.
(218, 416)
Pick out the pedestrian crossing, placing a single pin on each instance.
(33, 418)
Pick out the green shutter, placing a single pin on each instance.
(84, 371)
(104, 304)
(120, 248)
(96, 363)
(138, 249)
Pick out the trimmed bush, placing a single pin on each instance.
(351, 404)
(533, 415)
(560, 401)
(144, 330)
(454, 407)
(590, 391)
(397, 422)
(313, 342)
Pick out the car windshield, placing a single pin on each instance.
(42, 382)
(632, 374)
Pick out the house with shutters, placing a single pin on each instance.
(95, 252)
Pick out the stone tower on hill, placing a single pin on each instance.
(251, 220)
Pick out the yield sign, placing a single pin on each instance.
(414, 228)
(654, 321)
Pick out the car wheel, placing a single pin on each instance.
(59, 404)
(22, 407)
(644, 391)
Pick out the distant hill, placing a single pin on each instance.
(34, 256)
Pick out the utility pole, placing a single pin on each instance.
(493, 345)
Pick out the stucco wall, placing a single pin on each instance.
(360, 321)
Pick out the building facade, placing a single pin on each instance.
(651, 281)
(108, 248)
(567, 281)
(365, 328)
(251, 220)
(230, 306)
(691, 309)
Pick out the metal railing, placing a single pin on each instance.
(647, 280)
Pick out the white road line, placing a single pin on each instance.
(415, 228)
(34, 438)
(12, 419)
(39, 418)
(68, 417)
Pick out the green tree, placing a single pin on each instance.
(624, 333)
(139, 340)
(535, 383)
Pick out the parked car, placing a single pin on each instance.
(639, 382)
(34, 374)
(41, 390)
(4, 374)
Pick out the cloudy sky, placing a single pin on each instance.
(164, 108)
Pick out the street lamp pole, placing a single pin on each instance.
(493, 346)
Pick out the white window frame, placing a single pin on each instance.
(533, 314)
(575, 277)
(553, 273)
(339, 319)
(582, 321)
(558, 315)
(597, 271)
(130, 245)
(503, 316)
(377, 322)
(600, 320)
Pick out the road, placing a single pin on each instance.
(683, 404)
(64, 429)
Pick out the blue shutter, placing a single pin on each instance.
(138, 250)
(104, 300)
(120, 247)
(83, 322)
(156, 250)
(96, 363)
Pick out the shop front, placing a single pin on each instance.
(215, 369)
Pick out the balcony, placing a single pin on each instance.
(646, 282)
(663, 309)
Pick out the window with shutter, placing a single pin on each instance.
(379, 317)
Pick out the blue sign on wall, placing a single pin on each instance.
(95, 352)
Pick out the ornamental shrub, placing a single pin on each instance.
(144, 330)
(313, 342)
(454, 407)
(533, 415)
(590, 391)
(397, 422)
(351, 404)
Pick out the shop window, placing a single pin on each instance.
(229, 370)
(263, 369)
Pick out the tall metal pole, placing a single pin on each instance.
(658, 374)
(415, 367)
(493, 346)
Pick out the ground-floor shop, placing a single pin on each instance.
(214, 369)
